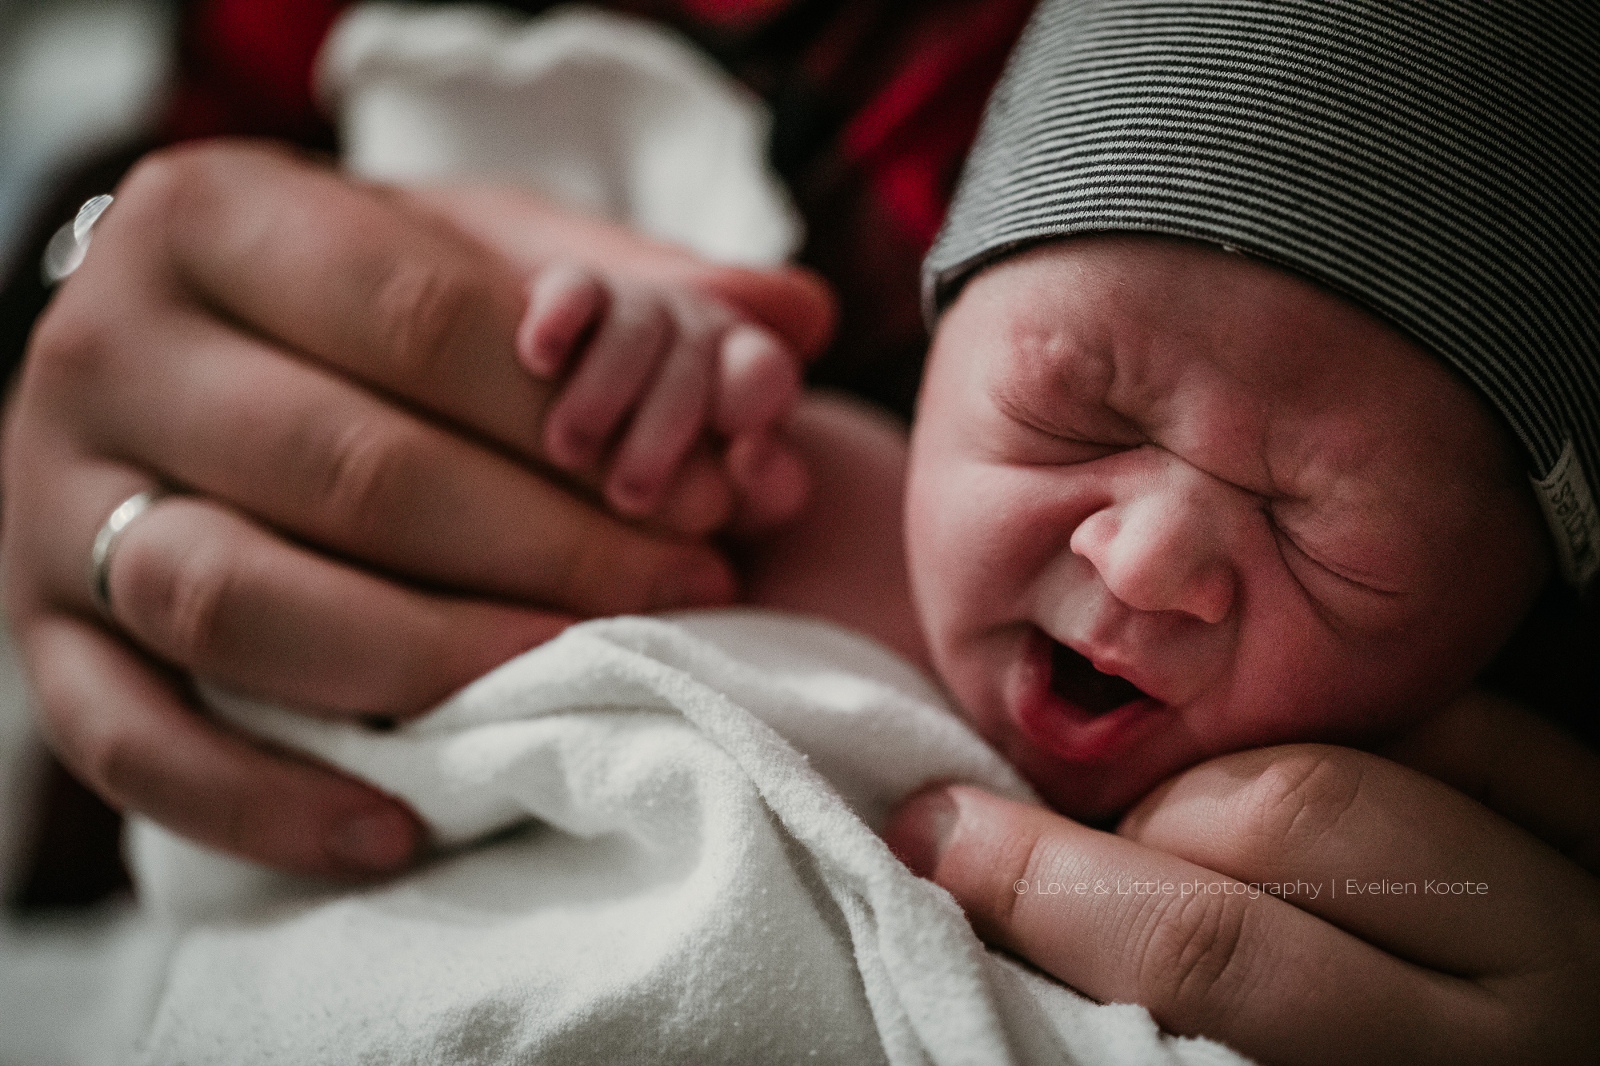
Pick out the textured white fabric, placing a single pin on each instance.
(608, 114)
(658, 846)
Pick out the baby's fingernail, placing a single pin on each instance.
(377, 841)
(746, 455)
(745, 345)
(918, 832)
(571, 448)
(531, 352)
(540, 362)
(632, 498)
(708, 585)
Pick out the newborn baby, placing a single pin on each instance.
(1167, 502)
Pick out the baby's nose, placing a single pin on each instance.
(1159, 544)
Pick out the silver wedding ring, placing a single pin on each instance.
(105, 542)
(65, 251)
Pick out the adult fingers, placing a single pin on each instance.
(1373, 847)
(131, 734)
(351, 472)
(1205, 953)
(200, 586)
(208, 590)
(355, 278)
(1089, 908)
(344, 273)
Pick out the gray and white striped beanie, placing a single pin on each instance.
(1438, 161)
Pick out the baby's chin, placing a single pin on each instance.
(1098, 795)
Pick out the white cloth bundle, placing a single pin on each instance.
(613, 116)
(661, 849)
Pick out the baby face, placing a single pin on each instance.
(1168, 502)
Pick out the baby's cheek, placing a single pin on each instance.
(975, 538)
(1020, 524)
(1297, 676)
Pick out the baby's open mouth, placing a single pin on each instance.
(1074, 679)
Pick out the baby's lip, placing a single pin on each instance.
(1078, 679)
(1113, 661)
(1065, 702)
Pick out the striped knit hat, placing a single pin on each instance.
(1438, 161)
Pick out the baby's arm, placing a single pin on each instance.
(844, 559)
(1515, 763)
(648, 372)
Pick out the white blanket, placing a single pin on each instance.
(659, 847)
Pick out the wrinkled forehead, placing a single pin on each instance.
(1433, 163)
(1218, 357)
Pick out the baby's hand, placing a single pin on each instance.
(647, 373)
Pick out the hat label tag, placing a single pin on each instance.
(1569, 508)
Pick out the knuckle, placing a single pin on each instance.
(1189, 956)
(358, 473)
(170, 183)
(422, 309)
(170, 191)
(166, 195)
(159, 181)
(109, 761)
(988, 865)
(178, 602)
(69, 353)
(1022, 857)
(1302, 796)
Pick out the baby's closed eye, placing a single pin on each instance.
(1323, 555)
(1024, 438)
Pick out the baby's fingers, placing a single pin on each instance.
(758, 381)
(564, 303)
(666, 425)
(619, 362)
(771, 479)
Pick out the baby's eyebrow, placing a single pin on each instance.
(1041, 381)
(1021, 407)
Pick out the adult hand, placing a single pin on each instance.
(1362, 956)
(326, 371)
